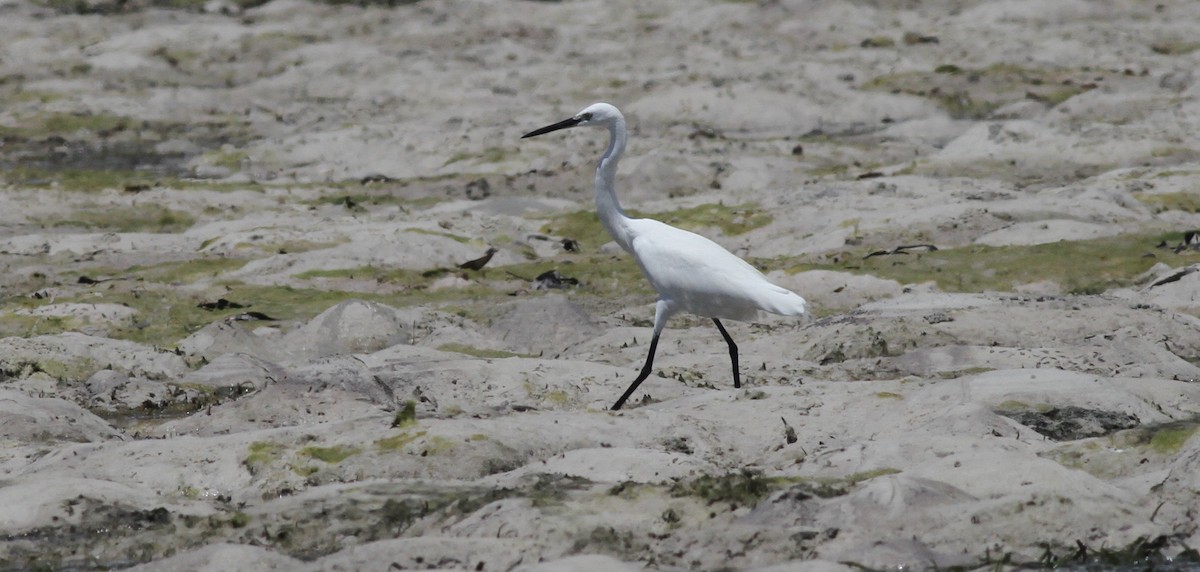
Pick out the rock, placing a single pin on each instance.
(447, 553)
(353, 326)
(542, 325)
(222, 557)
(236, 370)
(1177, 289)
(82, 315)
(224, 337)
(25, 420)
(583, 563)
(115, 392)
(74, 357)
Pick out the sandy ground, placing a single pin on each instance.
(235, 336)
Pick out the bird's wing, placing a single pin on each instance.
(705, 278)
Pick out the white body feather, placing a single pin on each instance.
(699, 276)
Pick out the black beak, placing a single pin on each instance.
(572, 122)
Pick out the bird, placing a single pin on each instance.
(478, 263)
(689, 272)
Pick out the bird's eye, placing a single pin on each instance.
(585, 116)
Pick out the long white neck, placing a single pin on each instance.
(612, 216)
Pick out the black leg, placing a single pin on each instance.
(737, 379)
(641, 376)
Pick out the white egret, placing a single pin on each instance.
(690, 273)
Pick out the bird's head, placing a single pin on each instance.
(599, 114)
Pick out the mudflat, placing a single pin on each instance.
(236, 334)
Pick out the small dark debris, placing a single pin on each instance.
(375, 178)
(798, 150)
(251, 316)
(904, 249)
(479, 263)
(90, 280)
(570, 245)
(789, 434)
(220, 304)
(938, 318)
(137, 187)
(870, 175)
(678, 445)
(479, 189)
(1174, 277)
(912, 38)
(552, 279)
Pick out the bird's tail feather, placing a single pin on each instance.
(786, 303)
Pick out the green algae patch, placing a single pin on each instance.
(477, 352)
(732, 221)
(1169, 439)
(239, 520)
(261, 454)
(975, 93)
(438, 445)
(1078, 266)
(136, 218)
(743, 488)
(165, 313)
(748, 487)
(1013, 406)
(557, 397)
(584, 226)
(403, 276)
(330, 455)
(76, 179)
(63, 124)
(21, 367)
(231, 160)
(602, 275)
(581, 226)
(489, 155)
(1183, 201)
(1174, 47)
(454, 237)
(398, 442)
(406, 416)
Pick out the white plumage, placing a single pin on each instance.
(690, 272)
